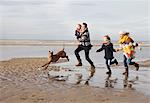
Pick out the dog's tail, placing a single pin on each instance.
(63, 46)
(63, 49)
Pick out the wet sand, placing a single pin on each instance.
(21, 81)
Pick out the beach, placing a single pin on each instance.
(31, 31)
(22, 80)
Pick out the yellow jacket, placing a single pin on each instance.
(125, 39)
(128, 50)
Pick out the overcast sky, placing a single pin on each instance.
(56, 19)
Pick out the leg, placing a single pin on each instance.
(108, 67)
(78, 56)
(125, 65)
(47, 64)
(86, 50)
(67, 58)
(133, 63)
(113, 61)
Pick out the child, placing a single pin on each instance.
(108, 47)
(128, 46)
(78, 30)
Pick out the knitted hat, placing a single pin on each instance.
(122, 32)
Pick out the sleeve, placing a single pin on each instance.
(77, 34)
(102, 48)
(131, 40)
(112, 47)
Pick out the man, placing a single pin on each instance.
(85, 44)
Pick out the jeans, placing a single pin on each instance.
(86, 50)
(109, 62)
(128, 61)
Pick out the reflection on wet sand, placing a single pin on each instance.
(110, 82)
(98, 78)
(91, 74)
(78, 78)
(129, 83)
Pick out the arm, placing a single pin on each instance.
(99, 50)
(77, 34)
(119, 49)
(112, 48)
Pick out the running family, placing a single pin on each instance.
(127, 45)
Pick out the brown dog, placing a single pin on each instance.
(55, 58)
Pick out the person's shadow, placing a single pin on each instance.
(92, 72)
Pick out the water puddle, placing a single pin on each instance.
(137, 80)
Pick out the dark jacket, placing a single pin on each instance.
(108, 50)
(77, 34)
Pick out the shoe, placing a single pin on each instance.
(124, 73)
(116, 61)
(92, 66)
(109, 72)
(136, 66)
(79, 64)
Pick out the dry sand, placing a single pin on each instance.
(22, 82)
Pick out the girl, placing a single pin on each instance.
(108, 47)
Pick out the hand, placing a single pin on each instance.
(117, 50)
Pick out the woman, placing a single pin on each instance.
(127, 45)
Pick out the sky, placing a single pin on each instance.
(57, 19)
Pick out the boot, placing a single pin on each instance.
(126, 72)
(92, 67)
(116, 62)
(109, 72)
(79, 63)
(136, 66)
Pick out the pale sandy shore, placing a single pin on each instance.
(21, 82)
